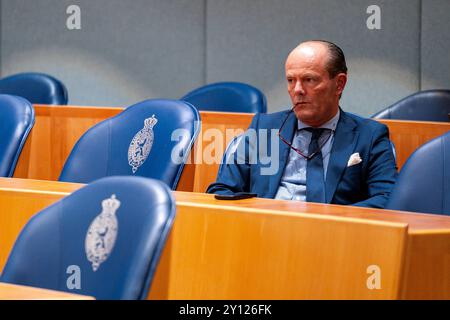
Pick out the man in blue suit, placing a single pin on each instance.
(322, 154)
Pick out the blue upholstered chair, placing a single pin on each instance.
(152, 138)
(423, 184)
(233, 152)
(228, 97)
(430, 105)
(231, 149)
(38, 88)
(16, 121)
(104, 240)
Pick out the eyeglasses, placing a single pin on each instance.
(309, 156)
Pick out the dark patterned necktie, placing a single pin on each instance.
(315, 182)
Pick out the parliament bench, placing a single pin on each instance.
(274, 249)
(58, 128)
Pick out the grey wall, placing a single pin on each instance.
(435, 45)
(129, 51)
(126, 51)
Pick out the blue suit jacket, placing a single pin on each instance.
(367, 184)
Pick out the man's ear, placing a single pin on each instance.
(341, 80)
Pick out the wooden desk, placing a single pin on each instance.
(16, 292)
(58, 128)
(55, 132)
(271, 249)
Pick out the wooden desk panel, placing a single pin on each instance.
(407, 136)
(272, 249)
(218, 129)
(220, 252)
(55, 132)
(15, 292)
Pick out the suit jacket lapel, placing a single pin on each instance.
(345, 138)
(283, 150)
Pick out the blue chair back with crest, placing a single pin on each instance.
(104, 240)
(152, 139)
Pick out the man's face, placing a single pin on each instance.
(313, 94)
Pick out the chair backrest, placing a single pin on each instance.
(423, 184)
(430, 105)
(16, 121)
(104, 240)
(228, 97)
(152, 138)
(231, 149)
(38, 88)
(230, 156)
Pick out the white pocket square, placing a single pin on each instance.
(354, 159)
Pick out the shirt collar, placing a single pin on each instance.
(330, 124)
